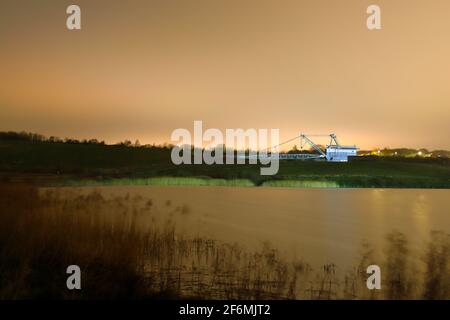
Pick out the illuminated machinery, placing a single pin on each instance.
(333, 152)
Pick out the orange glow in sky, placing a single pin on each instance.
(140, 69)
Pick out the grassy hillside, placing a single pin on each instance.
(63, 162)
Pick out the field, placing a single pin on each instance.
(52, 163)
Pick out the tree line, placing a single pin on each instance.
(36, 137)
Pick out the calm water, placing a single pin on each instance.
(317, 225)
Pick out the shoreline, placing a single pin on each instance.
(311, 182)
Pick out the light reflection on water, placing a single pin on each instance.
(318, 225)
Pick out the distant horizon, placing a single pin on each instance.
(168, 142)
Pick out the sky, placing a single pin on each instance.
(140, 69)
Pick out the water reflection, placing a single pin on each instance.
(437, 260)
(323, 225)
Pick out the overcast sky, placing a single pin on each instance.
(140, 69)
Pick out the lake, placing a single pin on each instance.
(316, 225)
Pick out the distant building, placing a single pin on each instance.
(337, 153)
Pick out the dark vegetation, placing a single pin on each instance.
(26, 157)
(120, 257)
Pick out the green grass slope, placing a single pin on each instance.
(111, 164)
